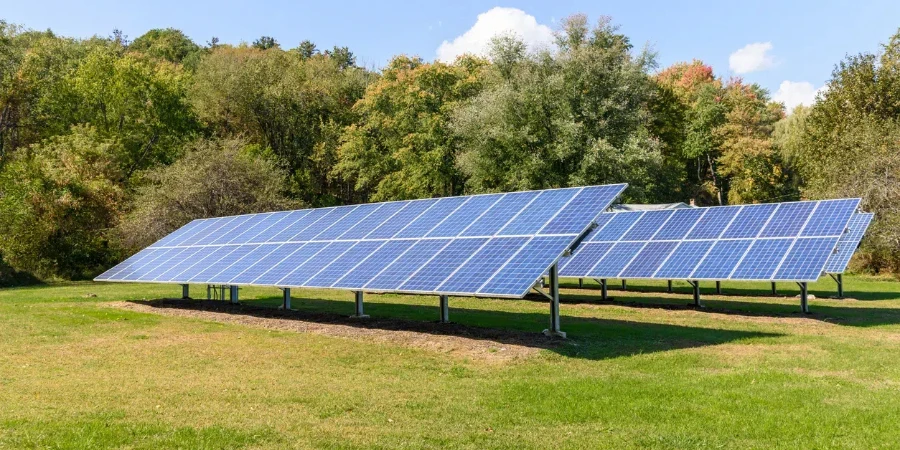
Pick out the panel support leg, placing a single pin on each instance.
(234, 294)
(359, 306)
(718, 288)
(554, 304)
(623, 285)
(774, 289)
(208, 292)
(445, 309)
(185, 291)
(804, 298)
(286, 299)
(580, 283)
(696, 285)
(669, 289)
(840, 284)
(604, 295)
(222, 289)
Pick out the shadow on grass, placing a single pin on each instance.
(832, 311)
(589, 338)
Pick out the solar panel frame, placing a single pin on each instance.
(848, 243)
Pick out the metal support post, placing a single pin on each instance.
(286, 298)
(222, 289)
(208, 292)
(554, 304)
(580, 283)
(696, 286)
(359, 306)
(840, 284)
(774, 289)
(185, 291)
(669, 289)
(603, 291)
(234, 294)
(445, 309)
(804, 298)
(623, 285)
(718, 288)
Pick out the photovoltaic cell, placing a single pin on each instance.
(616, 227)
(436, 214)
(648, 260)
(402, 219)
(714, 222)
(526, 267)
(374, 264)
(453, 225)
(280, 270)
(647, 225)
(616, 259)
(806, 259)
(749, 221)
(501, 213)
(721, 259)
(789, 219)
(444, 263)
(343, 264)
(679, 224)
(263, 264)
(762, 259)
(830, 218)
(482, 265)
(683, 260)
(585, 257)
(398, 271)
(531, 220)
(299, 277)
(570, 218)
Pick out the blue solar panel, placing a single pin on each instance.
(616, 227)
(374, 264)
(679, 224)
(521, 272)
(341, 226)
(241, 264)
(436, 214)
(483, 264)
(343, 264)
(683, 260)
(410, 212)
(649, 260)
(585, 257)
(713, 222)
(721, 260)
(501, 213)
(616, 259)
(531, 220)
(750, 221)
(789, 219)
(475, 245)
(384, 212)
(762, 259)
(848, 243)
(268, 222)
(263, 264)
(592, 200)
(805, 260)
(464, 216)
(293, 260)
(444, 263)
(830, 218)
(396, 274)
(647, 226)
(301, 275)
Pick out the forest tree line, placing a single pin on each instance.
(107, 143)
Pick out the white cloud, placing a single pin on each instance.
(794, 93)
(751, 58)
(491, 23)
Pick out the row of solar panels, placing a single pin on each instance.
(768, 242)
(495, 245)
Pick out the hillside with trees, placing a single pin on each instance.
(108, 143)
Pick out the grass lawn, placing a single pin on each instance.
(641, 370)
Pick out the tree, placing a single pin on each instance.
(59, 200)
(307, 49)
(214, 178)
(293, 107)
(402, 146)
(575, 116)
(265, 43)
(166, 44)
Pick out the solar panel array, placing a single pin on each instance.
(838, 262)
(771, 242)
(494, 245)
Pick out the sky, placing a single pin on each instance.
(788, 47)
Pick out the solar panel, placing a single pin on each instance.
(848, 243)
(769, 242)
(494, 245)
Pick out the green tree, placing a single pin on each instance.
(166, 44)
(59, 199)
(214, 178)
(402, 147)
(265, 43)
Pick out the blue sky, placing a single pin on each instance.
(795, 41)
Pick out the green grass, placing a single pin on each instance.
(641, 370)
